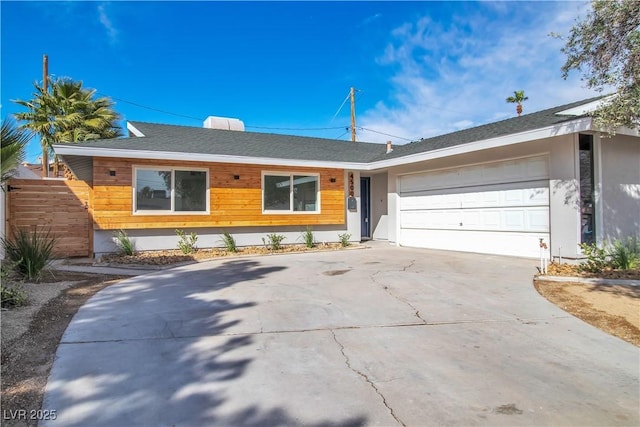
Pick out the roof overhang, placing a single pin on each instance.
(72, 155)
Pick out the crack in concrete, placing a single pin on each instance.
(338, 328)
(411, 264)
(387, 289)
(366, 378)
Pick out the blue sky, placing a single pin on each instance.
(422, 68)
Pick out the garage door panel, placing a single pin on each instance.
(492, 208)
(499, 243)
(477, 199)
(498, 219)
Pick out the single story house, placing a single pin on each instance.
(497, 188)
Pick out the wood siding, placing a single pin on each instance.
(233, 203)
(61, 206)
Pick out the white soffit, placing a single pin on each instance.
(583, 109)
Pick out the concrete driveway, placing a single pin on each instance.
(381, 336)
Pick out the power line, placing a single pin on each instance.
(278, 128)
(343, 134)
(340, 109)
(387, 134)
(152, 108)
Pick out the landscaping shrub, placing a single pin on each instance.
(11, 293)
(187, 243)
(229, 242)
(620, 255)
(30, 251)
(308, 238)
(344, 239)
(124, 242)
(596, 258)
(625, 255)
(273, 241)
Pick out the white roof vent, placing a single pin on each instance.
(226, 123)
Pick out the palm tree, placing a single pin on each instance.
(68, 113)
(12, 153)
(39, 121)
(518, 99)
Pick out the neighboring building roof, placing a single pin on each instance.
(161, 141)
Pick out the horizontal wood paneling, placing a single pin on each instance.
(233, 203)
(61, 206)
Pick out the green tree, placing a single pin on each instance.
(518, 98)
(605, 48)
(13, 141)
(68, 113)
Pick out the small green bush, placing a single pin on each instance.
(273, 241)
(30, 251)
(308, 238)
(124, 242)
(625, 255)
(344, 239)
(187, 243)
(12, 295)
(596, 258)
(229, 242)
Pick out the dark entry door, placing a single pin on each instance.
(365, 207)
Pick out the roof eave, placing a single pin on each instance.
(199, 157)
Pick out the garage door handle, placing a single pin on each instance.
(460, 224)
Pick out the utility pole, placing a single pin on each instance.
(353, 115)
(45, 148)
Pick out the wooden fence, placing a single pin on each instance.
(62, 206)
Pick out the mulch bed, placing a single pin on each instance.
(556, 269)
(168, 257)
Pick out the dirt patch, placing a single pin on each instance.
(614, 309)
(31, 334)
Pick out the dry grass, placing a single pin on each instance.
(613, 309)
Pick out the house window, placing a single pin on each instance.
(290, 192)
(169, 190)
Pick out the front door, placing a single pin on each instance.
(365, 208)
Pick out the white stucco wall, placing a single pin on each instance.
(564, 197)
(620, 187)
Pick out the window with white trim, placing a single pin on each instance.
(290, 192)
(166, 190)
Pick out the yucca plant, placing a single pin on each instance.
(29, 250)
(308, 238)
(124, 242)
(625, 255)
(229, 242)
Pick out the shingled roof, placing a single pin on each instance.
(172, 138)
(161, 138)
(537, 120)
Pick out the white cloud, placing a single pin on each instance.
(457, 73)
(105, 21)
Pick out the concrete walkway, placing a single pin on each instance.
(384, 336)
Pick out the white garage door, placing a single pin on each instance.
(497, 208)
